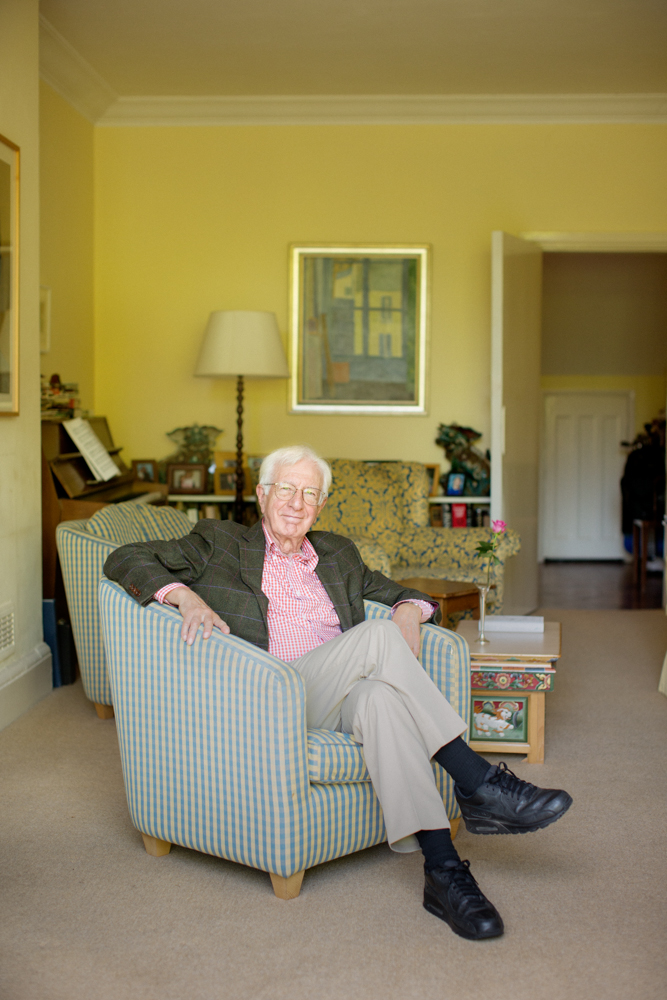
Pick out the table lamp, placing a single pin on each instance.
(242, 344)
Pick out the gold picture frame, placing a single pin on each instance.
(9, 278)
(358, 328)
(433, 473)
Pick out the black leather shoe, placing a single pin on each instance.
(506, 804)
(451, 893)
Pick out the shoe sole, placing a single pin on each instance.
(431, 904)
(490, 826)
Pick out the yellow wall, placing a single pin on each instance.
(25, 675)
(193, 219)
(66, 248)
(604, 313)
(650, 390)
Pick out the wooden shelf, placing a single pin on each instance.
(459, 499)
(207, 498)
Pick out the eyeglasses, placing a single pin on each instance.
(311, 496)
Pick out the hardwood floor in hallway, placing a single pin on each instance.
(592, 585)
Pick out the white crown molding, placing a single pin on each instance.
(398, 109)
(69, 74)
(599, 242)
(61, 66)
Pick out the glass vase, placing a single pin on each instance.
(483, 589)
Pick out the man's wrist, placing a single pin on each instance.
(426, 608)
(161, 594)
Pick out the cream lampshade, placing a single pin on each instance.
(238, 343)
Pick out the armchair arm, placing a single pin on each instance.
(212, 737)
(82, 556)
(451, 553)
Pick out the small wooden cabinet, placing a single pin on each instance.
(510, 677)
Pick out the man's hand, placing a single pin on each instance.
(195, 612)
(408, 616)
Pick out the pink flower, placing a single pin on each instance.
(499, 527)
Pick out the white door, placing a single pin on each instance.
(516, 307)
(582, 469)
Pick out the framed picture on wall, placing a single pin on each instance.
(9, 278)
(358, 337)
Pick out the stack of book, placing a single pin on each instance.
(460, 515)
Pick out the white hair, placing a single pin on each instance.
(287, 457)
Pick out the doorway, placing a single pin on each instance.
(582, 462)
(517, 378)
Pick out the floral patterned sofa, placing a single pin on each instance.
(383, 507)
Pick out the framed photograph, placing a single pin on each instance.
(254, 465)
(224, 477)
(9, 278)
(455, 484)
(358, 317)
(145, 470)
(499, 719)
(186, 478)
(433, 473)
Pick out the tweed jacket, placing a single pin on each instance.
(223, 562)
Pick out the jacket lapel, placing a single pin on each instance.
(330, 576)
(252, 547)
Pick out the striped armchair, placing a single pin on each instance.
(83, 547)
(216, 755)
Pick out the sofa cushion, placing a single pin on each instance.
(138, 522)
(334, 758)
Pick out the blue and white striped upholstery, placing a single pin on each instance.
(334, 757)
(124, 523)
(83, 547)
(214, 746)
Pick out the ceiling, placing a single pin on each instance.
(311, 47)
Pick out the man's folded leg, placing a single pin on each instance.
(414, 814)
(375, 649)
(398, 762)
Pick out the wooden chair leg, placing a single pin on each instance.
(156, 848)
(287, 888)
(454, 827)
(104, 711)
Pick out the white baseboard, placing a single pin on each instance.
(24, 682)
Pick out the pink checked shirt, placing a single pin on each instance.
(301, 615)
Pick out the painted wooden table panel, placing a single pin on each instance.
(510, 676)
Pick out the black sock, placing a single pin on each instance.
(466, 767)
(437, 847)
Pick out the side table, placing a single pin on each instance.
(510, 676)
(451, 595)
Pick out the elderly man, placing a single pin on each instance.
(299, 593)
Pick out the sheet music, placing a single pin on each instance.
(95, 454)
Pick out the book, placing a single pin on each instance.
(514, 623)
(97, 458)
(459, 515)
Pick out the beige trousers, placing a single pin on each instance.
(367, 682)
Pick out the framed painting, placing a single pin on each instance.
(9, 278)
(358, 338)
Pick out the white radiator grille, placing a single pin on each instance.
(6, 630)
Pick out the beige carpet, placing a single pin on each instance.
(87, 915)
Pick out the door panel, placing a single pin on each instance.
(516, 304)
(583, 465)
